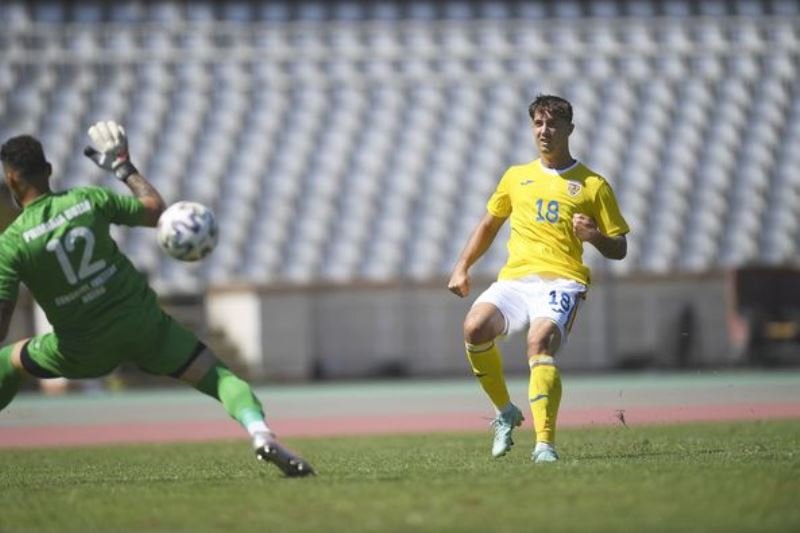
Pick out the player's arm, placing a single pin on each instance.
(112, 154)
(586, 229)
(147, 194)
(611, 247)
(479, 241)
(6, 310)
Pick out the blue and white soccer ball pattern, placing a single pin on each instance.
(187, 231)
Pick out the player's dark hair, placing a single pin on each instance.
(25, 154)
(552, 105)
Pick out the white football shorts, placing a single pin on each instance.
(525, 299)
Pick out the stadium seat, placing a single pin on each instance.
(360, 140)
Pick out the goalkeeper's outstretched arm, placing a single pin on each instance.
(112, 154)
(148, 195)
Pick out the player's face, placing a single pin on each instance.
(550, 133)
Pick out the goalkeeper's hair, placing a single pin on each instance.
(25, 154)
(552, 105)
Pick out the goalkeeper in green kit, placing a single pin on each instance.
(101, 308)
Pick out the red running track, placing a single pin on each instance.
(186, 431)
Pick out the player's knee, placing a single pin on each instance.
(537, 347)
(15, 355)
(197, 366)
(477, 330)
(547, 343)
(544, 337)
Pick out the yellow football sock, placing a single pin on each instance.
(544, 393)
(487, 365)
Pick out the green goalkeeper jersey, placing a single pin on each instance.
(61, 248)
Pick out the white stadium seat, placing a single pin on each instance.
(352, 140)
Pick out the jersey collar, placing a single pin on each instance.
(38, 199)
(558, 171)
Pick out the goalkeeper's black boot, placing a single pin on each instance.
(290, 464)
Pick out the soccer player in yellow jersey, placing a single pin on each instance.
(555, 204)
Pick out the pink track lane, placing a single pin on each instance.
(186, 431)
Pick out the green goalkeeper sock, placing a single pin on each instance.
(9, 378)
(235, 394)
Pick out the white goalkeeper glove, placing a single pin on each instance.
(111, 152)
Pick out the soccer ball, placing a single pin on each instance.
(187, 231)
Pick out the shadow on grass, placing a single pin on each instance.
(651, 453)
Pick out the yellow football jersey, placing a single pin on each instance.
(540, 203)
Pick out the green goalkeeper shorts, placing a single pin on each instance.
(155, 342)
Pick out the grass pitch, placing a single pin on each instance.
(711, 477)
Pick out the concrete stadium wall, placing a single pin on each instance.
(295, 333)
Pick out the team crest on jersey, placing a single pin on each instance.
(573, 188)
